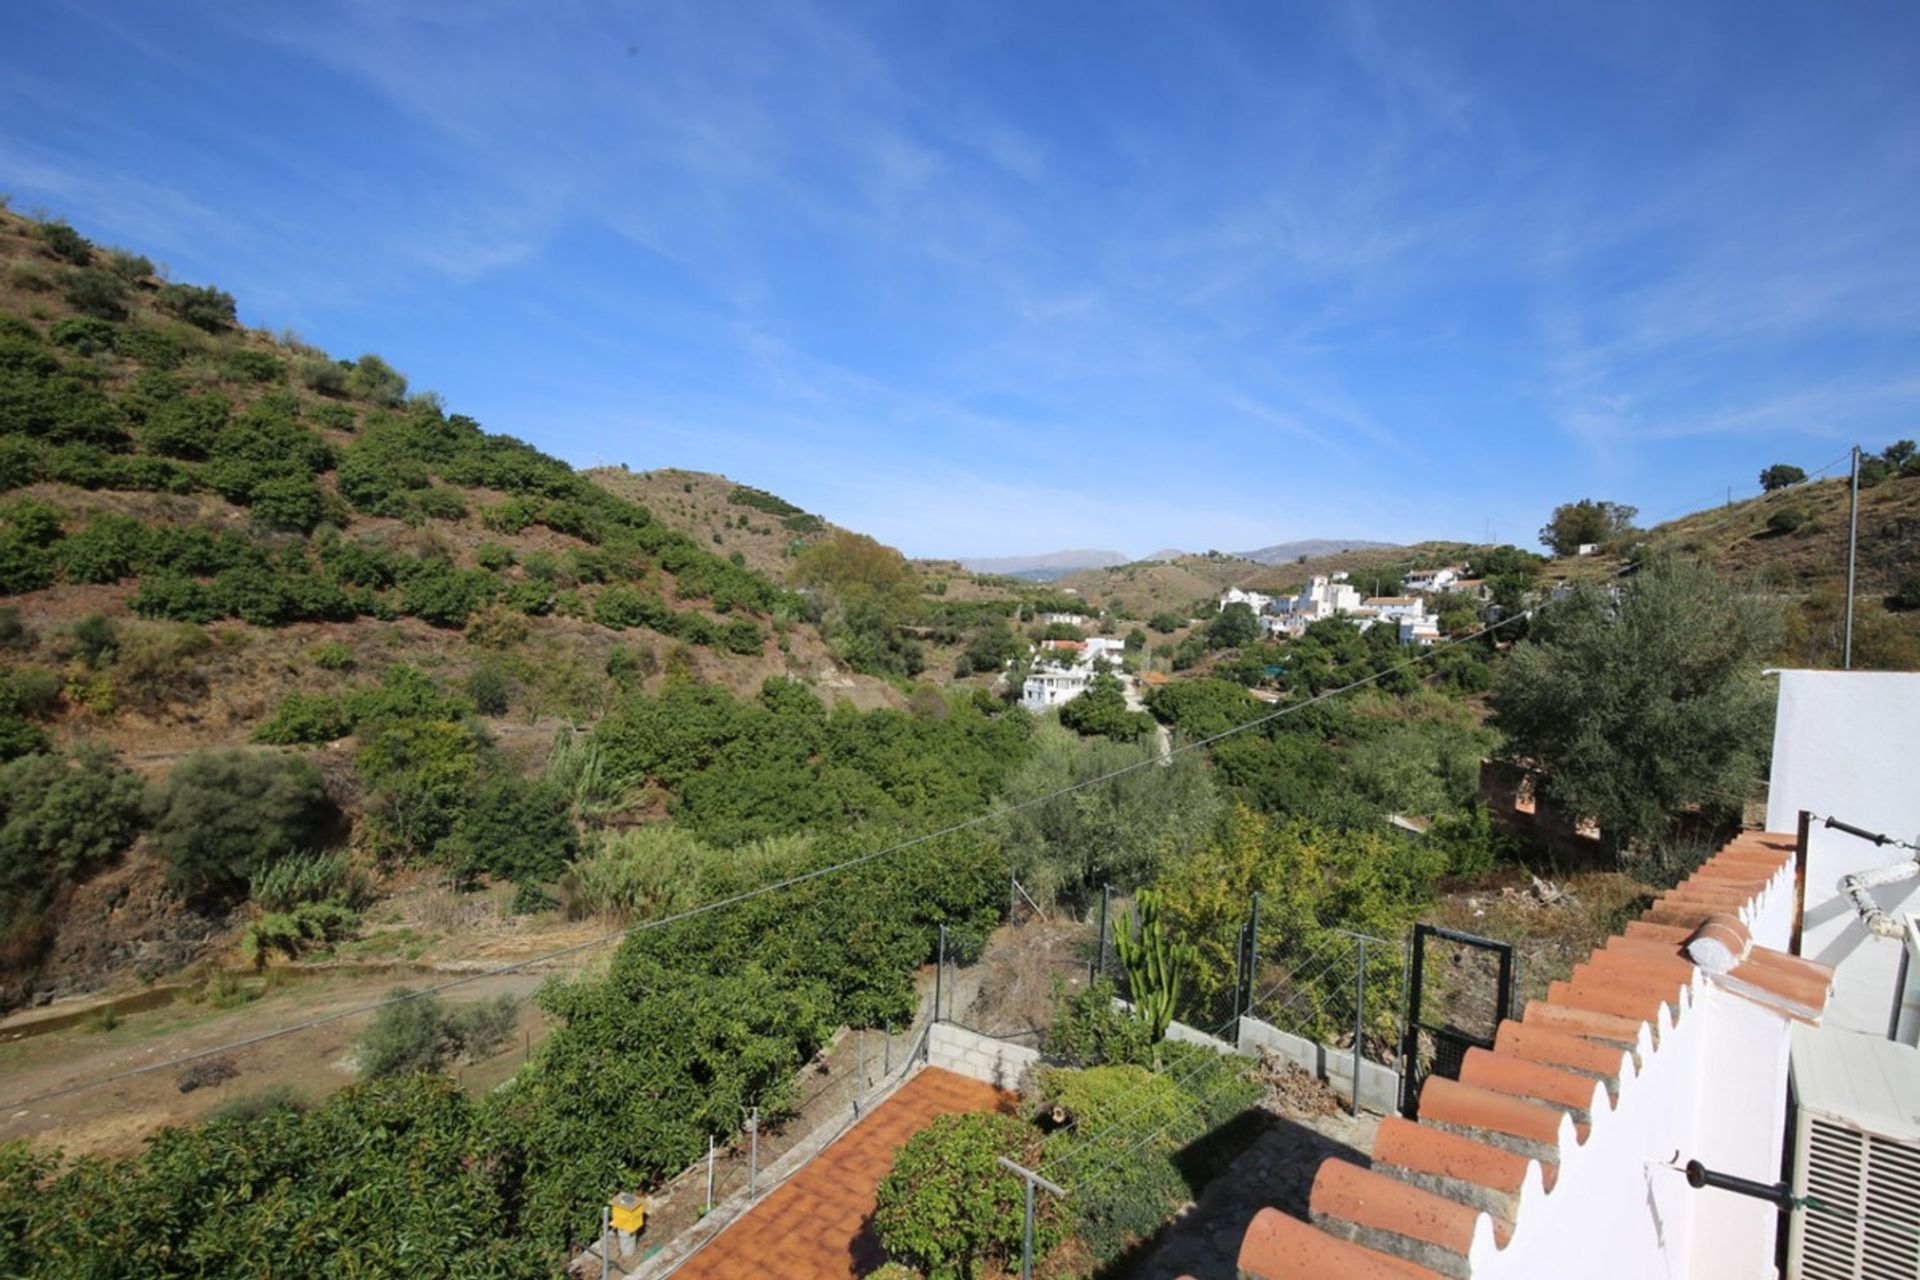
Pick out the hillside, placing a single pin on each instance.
(763, 530)
(1310, 549)
(1147, 587)
(212, 537)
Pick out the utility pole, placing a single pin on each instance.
(1853, 542)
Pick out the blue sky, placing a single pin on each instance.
(992, 278)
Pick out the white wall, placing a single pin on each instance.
(1846, 744)
(1714, 1089)
(968, 1053)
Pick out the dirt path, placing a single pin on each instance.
(115, 1118)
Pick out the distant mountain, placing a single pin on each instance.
(1043, 568)
(1168, 554)
(1311, 548)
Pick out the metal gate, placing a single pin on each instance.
(1454, 1009)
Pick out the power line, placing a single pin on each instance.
(993, 815)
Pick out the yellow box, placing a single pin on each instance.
(628, 1213)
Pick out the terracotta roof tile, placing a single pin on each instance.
(1607, 1027)
(1416, 1212)
(1503, 1071)
(1373, 1202)
(1277, 1247)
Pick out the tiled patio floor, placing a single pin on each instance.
(813, 1227)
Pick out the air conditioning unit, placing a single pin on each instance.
(1856, 1149)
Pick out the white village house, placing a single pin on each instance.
(1063, 669)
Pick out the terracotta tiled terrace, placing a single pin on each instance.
(814, 1226)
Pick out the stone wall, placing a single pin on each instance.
(968, 1053)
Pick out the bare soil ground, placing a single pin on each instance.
(422, 936)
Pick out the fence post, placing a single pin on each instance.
(1029, 1177)
(886, 1051)
(1253, 952)
(939, 972)
(1100, 943)
(709, 1173)
(859, 1069)
(1359, 1019)
(606, 1257)
(1410, 1041)
(753, 1153)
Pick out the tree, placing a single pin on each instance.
(1898, 452)
(1780, 475)
(948, 1205)
(220, 816)
(1102, 709)
(1120, 831)
(1232, 627)
(1575, 524)
(1641, 708)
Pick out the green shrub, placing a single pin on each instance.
(309, 924)
(374, 380)
(421, 1034)
(96, 640)
(639, 873)
(1906, 595)
(220, 816)
(493, 555)
(301, 878)
(949, 1208)
(322, 375)
(28, 691)
(24, 565)
(60, 818)
(155, 348)
(304, 719)
(105, 549)
(516, 830)
(1784, 522)
(64, 242)
(255, 366)
(332, 655)
(96, 293)
(291, 503)
(487, 689)
(202, 306)
(129, 266)
(83, 335)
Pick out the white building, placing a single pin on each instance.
(1064, 619)
(1395, 606)
(1051, 686)
(1252, 599)
(1106, 649)
(1430, 579)
(1423, 630)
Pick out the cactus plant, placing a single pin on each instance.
(1154, 964)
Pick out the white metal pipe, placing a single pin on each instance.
(1858, 887)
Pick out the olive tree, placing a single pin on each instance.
(1642, 705)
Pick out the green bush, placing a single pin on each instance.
(332, 655)
(303, 719)
(83, 335)
(949, 1208)
(255, 366)
(1784, 522)
(516, 830)
(493, 555)
(64, 242)
(60, 818)
(159, 666)
(221, 816)
(421, 1034)
(94, 292)
(96, 640)
(201, 306)
(105, 549)
(487, 689)
(374, 380)
(322, 375)
(155, 348)
(292, 932)
(301, 878)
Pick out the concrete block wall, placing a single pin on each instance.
(1379, 1086)
(968, 1053)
